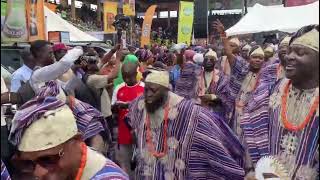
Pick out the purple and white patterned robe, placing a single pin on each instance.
(205, 147)
(265, 134)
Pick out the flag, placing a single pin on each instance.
(129, 8)
(35, 20)
(146, 27)
(110, 12)
(186, 12)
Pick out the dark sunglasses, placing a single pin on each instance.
(48, 162)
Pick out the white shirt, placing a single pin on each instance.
(52, 72)
(22, 74)
(3, 90)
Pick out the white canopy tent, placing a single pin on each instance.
(274, 18)
(55, 23)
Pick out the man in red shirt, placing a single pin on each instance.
(122, 96)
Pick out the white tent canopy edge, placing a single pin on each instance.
(275, 18)
(55, 23)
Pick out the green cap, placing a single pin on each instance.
(130, 58)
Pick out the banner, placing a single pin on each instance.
(14, 23)
(186, 12)
(290, 3)
(35, 20)
(110, 12)
(129, 8)
(146, 27)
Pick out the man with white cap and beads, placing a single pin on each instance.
(281, 124)
(244, 79)
(215, 84)
(177, 139)
(275, 71)
(49, 145)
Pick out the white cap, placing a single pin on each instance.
(158, 77)
(52, 129)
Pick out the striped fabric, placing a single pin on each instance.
(110, 172)
(206, 146)
(269, 75)
(264, 132)
(90, 121)
(30, 112)
(187, 85)
(238, 73)
(4, 172)
(220, 89)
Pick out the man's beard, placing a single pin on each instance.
(151, 108)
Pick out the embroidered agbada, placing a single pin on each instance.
(241, 86)
(218, 86)
(266, 136)
(110, 171)
(200, 144)
(98, 167)
(190, 85)
(270, 75)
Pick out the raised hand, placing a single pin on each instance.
(219, 27)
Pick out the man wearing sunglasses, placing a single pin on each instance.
(50, 147)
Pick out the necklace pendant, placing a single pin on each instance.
(169, 175)
(180, 164)
(147, 171)
(289, 143)
(173, 143)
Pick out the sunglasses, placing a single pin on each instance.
(49, 162)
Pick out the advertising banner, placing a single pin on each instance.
(110, 12)
(146, 27)
(35, 20)
(186, 12)
(13, 21)
(129, 8)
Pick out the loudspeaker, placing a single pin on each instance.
(200, 18)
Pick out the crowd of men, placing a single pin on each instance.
(165, 113)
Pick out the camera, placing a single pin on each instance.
(121, 22)
(89, 59)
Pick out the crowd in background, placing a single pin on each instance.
(168, 111)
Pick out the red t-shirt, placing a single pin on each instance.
(126, 94)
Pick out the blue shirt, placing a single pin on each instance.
(22, 74)
(174, 75)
